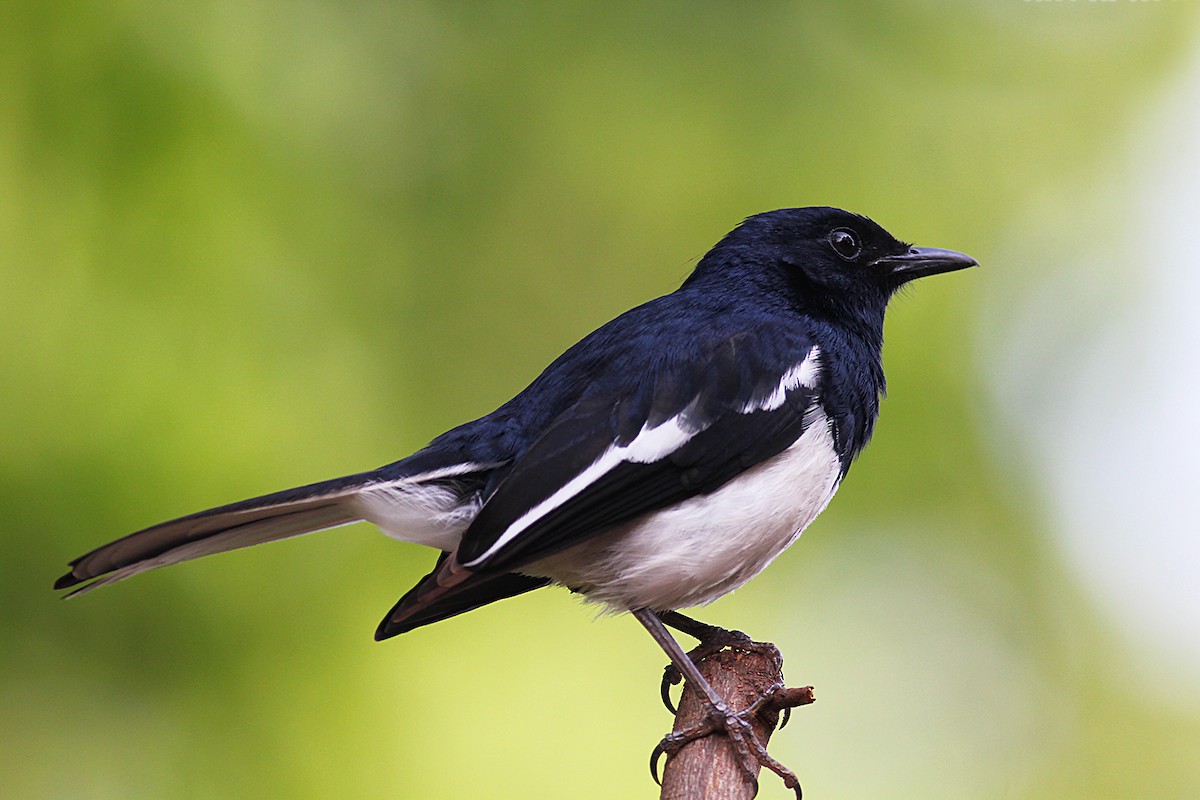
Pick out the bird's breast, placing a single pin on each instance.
(696, 551)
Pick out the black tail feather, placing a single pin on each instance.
(259, 519)
(416, 609)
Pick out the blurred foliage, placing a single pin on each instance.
(246, 245)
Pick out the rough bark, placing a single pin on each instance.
(709, 767)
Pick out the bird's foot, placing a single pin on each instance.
(712, 641)
(751, 752)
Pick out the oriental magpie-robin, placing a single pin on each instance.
(658, 464)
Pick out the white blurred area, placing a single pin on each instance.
(1098, 345)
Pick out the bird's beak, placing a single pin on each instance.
(921, 261)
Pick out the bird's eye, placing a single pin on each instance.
(845, 243)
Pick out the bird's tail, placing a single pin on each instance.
(450, 590)
(261, 519)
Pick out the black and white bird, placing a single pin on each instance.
(658, 464)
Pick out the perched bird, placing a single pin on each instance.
(658, 464)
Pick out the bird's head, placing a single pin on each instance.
(824, 257)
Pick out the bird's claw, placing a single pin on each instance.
(715, 640)
(671, 677)
(674, 741)
(751, 752)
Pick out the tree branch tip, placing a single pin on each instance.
(792, 697)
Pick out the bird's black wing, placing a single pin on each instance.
(685, 430)
(625, 490)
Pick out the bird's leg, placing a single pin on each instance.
(695, 628)
(712, 640)
(718, 717)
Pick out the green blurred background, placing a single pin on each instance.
(247, 245)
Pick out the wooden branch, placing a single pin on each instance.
(709, 767)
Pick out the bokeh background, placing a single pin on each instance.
(247, 245)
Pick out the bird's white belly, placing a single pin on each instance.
(694, 552)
